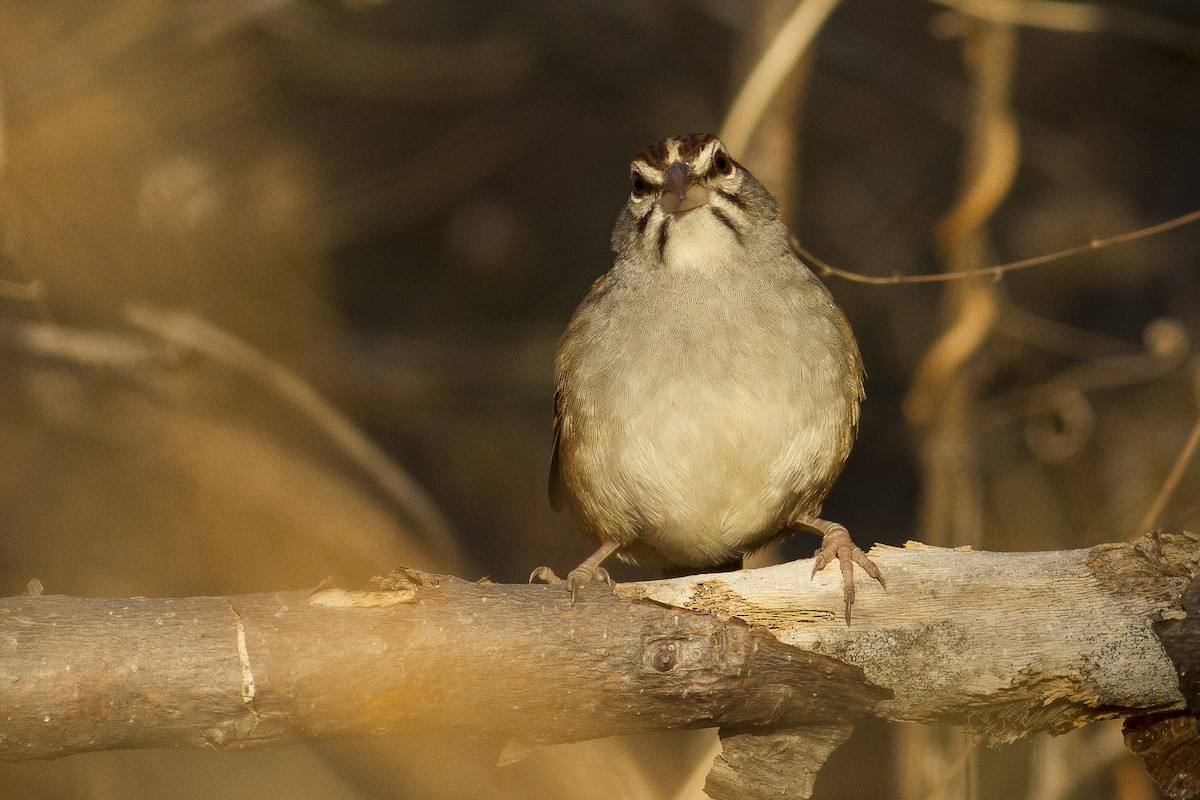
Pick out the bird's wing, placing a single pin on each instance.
(600, 287)
(555, 483)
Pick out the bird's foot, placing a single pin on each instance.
(576, 578)
(586, 573)
(589, 571)
(837, 544)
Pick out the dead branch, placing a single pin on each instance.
(414, 653)
(1007, 643)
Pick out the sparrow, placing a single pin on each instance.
(707, 388)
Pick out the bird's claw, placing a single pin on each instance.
(576, 578)
(545, 575)
(837, 544)
(586, 574)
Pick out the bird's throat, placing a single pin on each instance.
(700, 240)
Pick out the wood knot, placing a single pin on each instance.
(689, 652)
(665, 657)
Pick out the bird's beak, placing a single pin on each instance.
(682, 190)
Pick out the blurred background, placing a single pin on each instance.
(281, 281)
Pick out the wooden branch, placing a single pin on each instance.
(414, 653)
(1169, 744)
(772, 765)
(1008, 643)
(1180, 634)
(1170, 748)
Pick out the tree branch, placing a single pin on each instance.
(1007, 643)
(413, 653)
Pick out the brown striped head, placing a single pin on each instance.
(689, 199)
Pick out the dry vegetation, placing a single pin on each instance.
(280, 285)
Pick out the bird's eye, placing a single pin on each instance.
(640, 186)
(722, 162)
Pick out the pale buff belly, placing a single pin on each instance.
(700, 474)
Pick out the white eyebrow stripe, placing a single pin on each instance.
(646, 171)
(701, 163)
(704, 158)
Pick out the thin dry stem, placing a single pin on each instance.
(86, 348)
(194, 333)
(993, 156)
(1160, 357)
(1182, 461)
(997, 271)
(772, 149)
(1050, 335)
(941, 405)
(777, 62)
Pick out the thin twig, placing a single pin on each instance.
(1168, 488)
(991, 158)
(196, 334)
(999, 270)
(87, 348)
(1167, 349)
(777, 62)
(1053, 336)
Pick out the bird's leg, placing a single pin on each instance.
(836, 543)
(589, 570)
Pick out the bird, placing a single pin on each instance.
(707, 388)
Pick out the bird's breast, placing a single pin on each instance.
(697, 418)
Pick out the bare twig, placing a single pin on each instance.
(193, 333)
(84, 347)
(777, 62)
(1166, 350)
(1059, 418)
(996, 272)
(1052, 336)
(1169, 485)
(941, 402)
